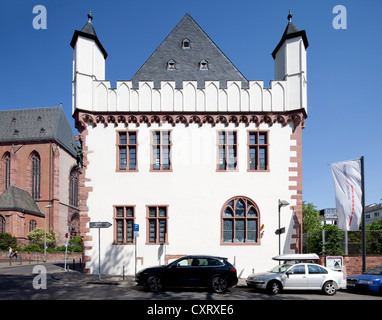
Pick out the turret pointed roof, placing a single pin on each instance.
(291, 31)
(88, 32)
(188, 54)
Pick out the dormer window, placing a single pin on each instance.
(171, 65)
(203, 65)
(186, 44)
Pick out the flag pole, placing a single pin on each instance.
(363, 218)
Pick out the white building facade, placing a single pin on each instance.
(191, 151)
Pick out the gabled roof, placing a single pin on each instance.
(291, 31)
(88, 32)
(187, 60)
(14, 198)
(37, 124)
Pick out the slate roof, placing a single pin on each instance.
(14, 198)
(88, 32)
(291, 31)
(37, 124)
(187, 61)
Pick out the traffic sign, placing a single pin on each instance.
(99, 224)
(136, 227)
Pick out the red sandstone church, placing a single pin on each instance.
(38, 172)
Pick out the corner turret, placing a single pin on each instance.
(88, 64)
(290, 63)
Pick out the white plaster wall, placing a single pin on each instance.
(193, 191)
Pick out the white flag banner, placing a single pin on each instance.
(348, 189)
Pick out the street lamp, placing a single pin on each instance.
(282, 203)
(49, 206)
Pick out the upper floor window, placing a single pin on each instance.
(258, 146)
(73, 187)
(7, 170)
(227, 150)
(127, 150)
(240, 221)
(36, 175)
(161, 150)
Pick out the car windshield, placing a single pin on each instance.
(376, 271)
(280, 268)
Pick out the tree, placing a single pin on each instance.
(311, 220)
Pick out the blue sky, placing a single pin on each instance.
(344, 65)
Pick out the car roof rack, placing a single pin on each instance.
(297, 257)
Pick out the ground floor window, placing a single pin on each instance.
(124, 223)
(157, 217)
(240, 221)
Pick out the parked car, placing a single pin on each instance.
(297, 275)
(215, 273)
(369, 281)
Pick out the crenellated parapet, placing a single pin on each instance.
(190, 98)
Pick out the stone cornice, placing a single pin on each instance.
(85, 118)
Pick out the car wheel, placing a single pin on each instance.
(329, 288)
(274, 287)
(219, 284)
(154, 284)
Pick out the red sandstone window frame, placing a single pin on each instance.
(127, 144)
(35, 160)
(124, 216)
(155, 221)
(223, 149)
(158, 151)
(245, 221)
(261, 149)
(6, 160)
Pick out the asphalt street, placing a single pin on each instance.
(26, 282)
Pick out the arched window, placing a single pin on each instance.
(36, 175)
(240, 221)
(73, 187)
(2, 224)
(32, 225)
(7, 170)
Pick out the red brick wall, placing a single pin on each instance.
(50, 256)
(353, 264)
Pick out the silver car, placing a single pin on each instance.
(298, 276)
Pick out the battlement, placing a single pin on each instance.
(167, 98)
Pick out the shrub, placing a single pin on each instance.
(7, 240)
(37, 236)
(34, 247)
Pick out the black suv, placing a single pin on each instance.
(215, 273)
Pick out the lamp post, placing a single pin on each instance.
(49, 206)
(282, 203)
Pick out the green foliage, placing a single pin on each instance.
(7, 240)
(311, 220)
(37, 236)
(33, 248)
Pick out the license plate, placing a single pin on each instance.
(350, 284)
